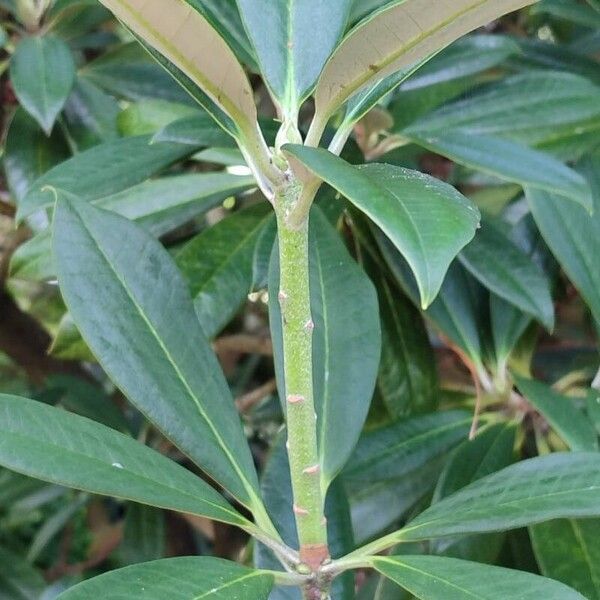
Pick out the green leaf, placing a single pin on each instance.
(418, 32)
(129, 161)
(508, 325)
(29, 153)
(129, 72)
(67, 342)
(464, 58)
(291, 56)
(491, 450)
(51, 444)
(508, 161)
(158, 205)
(90, 115)
(346, 332)
(21, 581)
(569, 551)
(555, 486)
(149, 116)
(426, 219)
(42, 72)
(593, 408)
(494, 260)
(218, 265)
(454, 311)
(136, 315)
(276, 488)
(568, 421)
(224, 16)
(177, 30)
(407, 379)
(394, 466)
(440, 578)
(197, 131)
(143, 535)
(182, 578)
(570, 11)
(528, 107)
(573, 235)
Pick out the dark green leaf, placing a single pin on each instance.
(428, 220)
(197, 131)
(570, 11)
(19, 581)
(218, 265)
(529, 107)
(499, 265)
(346, 332)
(508, 161)
(42, 71)
(407, 379)
(593, 407)
(29, 153)
(136, 315)
(129, 72)
(394, 466)
(573, 235)
(143, 536)
(539, 489)
(290, 54)
(568, 421)
(129, 161)
(569, 551)
(439, 578)
(90, 115)
(51, 444)
(182, 578)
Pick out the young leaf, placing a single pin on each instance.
(569, 551)
(346, 332)
(370, 53)
(568, 421)
(42, 71)
(539, 489)
(51, 444)
(181, 578)
(129, 162)
(440, 578)
(179, 31)
(573, 235)
(218, 265)
(508, 161)
(499, 265)
(290, 54)
(426, 219)
(133, 309)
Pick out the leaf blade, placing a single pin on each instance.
(48, 443)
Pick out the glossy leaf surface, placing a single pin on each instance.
(426, 219)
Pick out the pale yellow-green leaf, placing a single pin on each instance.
(183, 36)
(396, 38)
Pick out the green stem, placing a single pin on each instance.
(297, 326)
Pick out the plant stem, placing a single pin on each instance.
(297, 326)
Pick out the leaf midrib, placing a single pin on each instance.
(213, 429)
